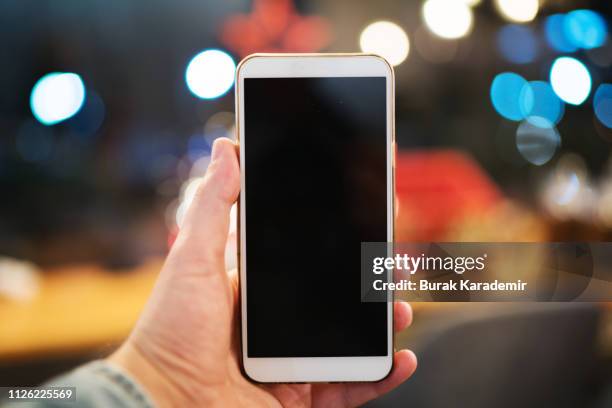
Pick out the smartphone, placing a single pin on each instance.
(316, 137)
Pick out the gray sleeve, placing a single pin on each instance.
(98, 385)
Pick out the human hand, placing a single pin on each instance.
(185, 350)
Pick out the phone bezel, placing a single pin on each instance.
(313, 369)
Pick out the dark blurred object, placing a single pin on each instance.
(512, 355)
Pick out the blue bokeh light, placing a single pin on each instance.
(554, 30)
(56, 97)
(585, 29)
(571, 187)
(507, 91)
(539, 100)
(517, 43)
(537, 140)
(198, 147)
(89, 119)
(602, 103)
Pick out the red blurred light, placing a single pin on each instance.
(274, 26)
(435, 189)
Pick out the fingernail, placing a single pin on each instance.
(215, 151)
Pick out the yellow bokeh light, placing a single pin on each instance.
(518, 11)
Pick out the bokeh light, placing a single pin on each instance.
(210, 74)
(90, 117)
(585, 29)
(604, 207)
(570, 80)
(188, 192)
(56, 97)
(569, 189)
(197, 146)
(518, 11)
(448, 18)
(554, 30)
(517, 43)
(386, 39)
(538, 100)
(537, 140)
(508, 95)
(221, 124)
(602, 102)
(568, 192)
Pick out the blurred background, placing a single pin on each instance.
(108, 110)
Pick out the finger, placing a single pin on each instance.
(204, 231)
(402, 315)
(355, 394)
(404, 365)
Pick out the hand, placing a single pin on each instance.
(184, 349)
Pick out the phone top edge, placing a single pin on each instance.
(272, 56)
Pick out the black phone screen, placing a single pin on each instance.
(315, 166)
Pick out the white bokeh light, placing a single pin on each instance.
(387, 40)
(518, 11)
(568, 191)
(56, 97)
(210, 74)
(188, 192)
(448, 18)
(570, 80)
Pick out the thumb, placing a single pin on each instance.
(203, 234)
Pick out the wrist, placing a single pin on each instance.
(157, 384)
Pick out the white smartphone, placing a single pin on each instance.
(316, 136)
